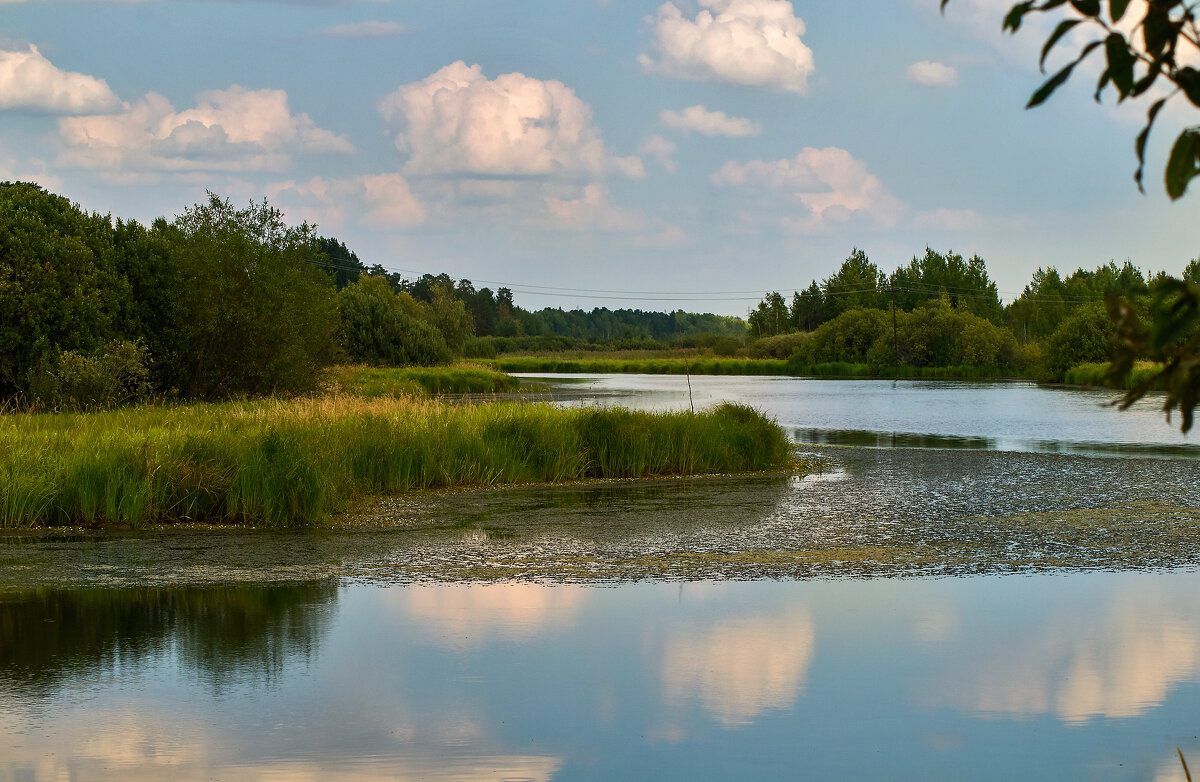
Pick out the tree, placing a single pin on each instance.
(808, 308)
(770, 317)
(1137, 64)
(339, 261)
(377, 330)
(855, 285)
(965, 283)
(257, 315)
(60, 288)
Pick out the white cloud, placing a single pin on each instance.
(366, 29)
(32, 170)
(228, 130)
(30, 81)
(697, 119)
(932, 74)
(590, 211)
(746, 42)
(391, 203)
(379, 201)
(457, 121)
(830, 183)
(660, 149)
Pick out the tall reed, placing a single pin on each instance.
(289, 463)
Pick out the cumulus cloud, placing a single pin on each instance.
(932, 74)
(745, 42)
(457, 121)
(591, 211)
(379, 201)
(31, 170)
(228, 130)
(29, 81)
(660, 149)
(830, 183)
(697, 119)
(367, 29)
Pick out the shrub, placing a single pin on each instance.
(377, 330)
(115, 376)
(1088, 335)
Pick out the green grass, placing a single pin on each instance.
(1095, 374)
(288, 463)
(734, 366)
(462, 378)
(641, 366)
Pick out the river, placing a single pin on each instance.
(998, 581)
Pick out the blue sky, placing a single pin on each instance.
(697, 152)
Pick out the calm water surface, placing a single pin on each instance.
(1009, 416)
(1005, 586)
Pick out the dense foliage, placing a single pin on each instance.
(948, 313)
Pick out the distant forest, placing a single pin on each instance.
(223, 302)
(949, 313)
(493, 314)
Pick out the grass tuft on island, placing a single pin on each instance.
(461, 378)
(290, 463)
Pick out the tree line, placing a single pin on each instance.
(948, 313)
(223, 302)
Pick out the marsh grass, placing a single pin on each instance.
(669, 365)
(288, 463)
(1096, 374)
(461, 378)
(736, 366)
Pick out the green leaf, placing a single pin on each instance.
(1142, 138)
(1056, 81)
(1087, 7)
(1116, 9)
(1012, 20)
(1157, 30)
(1188, 80)
(1184, 162)
(1063, 28)
(1120, 64)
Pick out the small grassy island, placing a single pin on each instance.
(293, 462)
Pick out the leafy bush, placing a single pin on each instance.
(937, 335)
(780, 346)
(377, 330)
(115, 376)
(1087, 335)
(847, 338)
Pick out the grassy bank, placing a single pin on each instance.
(733, 366)
(641, 366)
(291, 463)
(1096, 375)
(376, 382)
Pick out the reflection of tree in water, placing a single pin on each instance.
(225, 633)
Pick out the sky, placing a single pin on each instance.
(693, 154)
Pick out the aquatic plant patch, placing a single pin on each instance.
(287, 463)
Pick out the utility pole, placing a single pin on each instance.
(895, 346)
